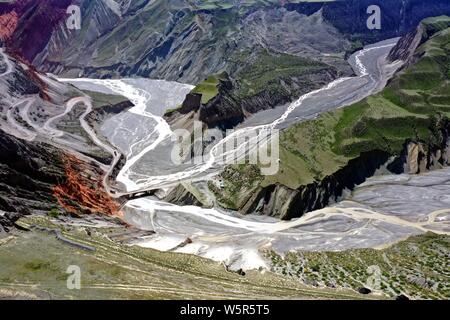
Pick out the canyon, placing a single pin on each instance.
(88, 121)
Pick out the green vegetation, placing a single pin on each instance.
(404, 110)
(227, 4)
(34, 264)
(436, 24)
(356, 45)
(211, 5)
(208, 88)
(417, 267)
(408, 108)
(169, 112)
(54, 213)
(239, 183)
(274, 77)
(266, 73)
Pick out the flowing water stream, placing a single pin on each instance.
(370, 216)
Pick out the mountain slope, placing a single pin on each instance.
(172, 40)
(179, 40)
(34, 24)
(189, 41)
(323, 157)
(269, 80)
(49, 164)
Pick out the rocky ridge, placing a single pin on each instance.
(39, 172)
(423, 145)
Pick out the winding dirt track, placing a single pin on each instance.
(47, 132)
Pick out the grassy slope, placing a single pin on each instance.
(417, 267)
(208, 88)
(101, 100)
(35, 263)
(265, 73)
(405, 109)
(262, 74)
(239, 183)
(312, 150)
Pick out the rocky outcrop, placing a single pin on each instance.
(272, 201)
(82, 190)
(182, 196)
(286, 89)
(406, 48)
(8, 221)
(222, 110)
(8, 24)
(28, 173)
(420, 156)
(417, 156)
(191, 103)
(36, 22)
(37, 178)
(286, 203)
(37, 173)
(397, 17)
(233, 104)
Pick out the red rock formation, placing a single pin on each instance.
(83, 191)
(33, 74)
(33, 24)
(8, 24)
